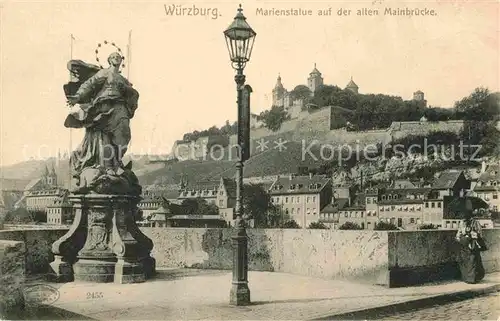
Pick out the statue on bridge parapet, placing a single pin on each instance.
(104, 243)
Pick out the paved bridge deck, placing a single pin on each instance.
(180, 294)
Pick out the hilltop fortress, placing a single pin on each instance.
(319, 125)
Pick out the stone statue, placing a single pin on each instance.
(102, 101)
(104, 243)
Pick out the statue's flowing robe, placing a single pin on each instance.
(109, 102)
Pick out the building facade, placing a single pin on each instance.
(61, 211)
(302, 197)
(488, 186)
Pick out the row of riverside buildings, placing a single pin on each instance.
(316, 198)
(304, 199)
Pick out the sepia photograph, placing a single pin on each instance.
(250, 160)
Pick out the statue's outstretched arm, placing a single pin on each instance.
(90, 86)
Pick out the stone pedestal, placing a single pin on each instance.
(104, 243)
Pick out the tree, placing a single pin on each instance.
(385, 226)
(257, 204)
(198, 206)
(300, 92)
(274, 118)
(323, 95)
(290, 224)
(350, 226)
(318, 226)
(470, 106)
(439, 114)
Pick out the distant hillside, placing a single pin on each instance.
(9, 184)
(18, 175)
(271, 161)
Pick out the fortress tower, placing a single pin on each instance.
(419, 96)
(281, 97)
(315, 80)
(352, 86)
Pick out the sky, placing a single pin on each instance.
(180, 64)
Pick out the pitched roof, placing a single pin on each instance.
(402, 183)
(352, 84)
(447, 180)
(203, 185)
(33, 183)
(299, 185)
(315, 71)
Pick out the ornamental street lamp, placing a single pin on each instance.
(239, 39)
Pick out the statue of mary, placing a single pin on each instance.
(102, 101)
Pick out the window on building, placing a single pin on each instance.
(308, 199)
(412, 220)
(346, 214)
(314, 199)
(439, 204)
(298, 210)
(382, 209)
(426, 204)
(286, 199)
(221, 203)
(361, 214)
(433, 205)
(495, 196)
(368, 200)
(293, 211)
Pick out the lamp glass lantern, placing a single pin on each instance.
(239, 40)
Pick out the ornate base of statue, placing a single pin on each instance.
(114, 249)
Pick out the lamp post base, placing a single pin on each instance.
(239, 294)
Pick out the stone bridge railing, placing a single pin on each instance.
(390, 258)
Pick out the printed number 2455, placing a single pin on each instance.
(95, 295)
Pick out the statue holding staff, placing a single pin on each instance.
(102, 101)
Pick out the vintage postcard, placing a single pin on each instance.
(253, 160)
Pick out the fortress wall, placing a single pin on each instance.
(403, 129)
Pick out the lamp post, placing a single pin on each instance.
(239, 39)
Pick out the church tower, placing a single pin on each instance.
(51, 177)
(315, 80)
(352, 86)
(45, 177)
(279, 93)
